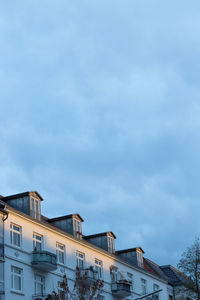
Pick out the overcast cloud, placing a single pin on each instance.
(99, 112)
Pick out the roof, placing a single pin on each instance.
(99, 234)
(130, 250)
(156, 268)
(65, 217)
(174, 275)
(149, 268)
(20, 195)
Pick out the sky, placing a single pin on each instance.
(99, 112)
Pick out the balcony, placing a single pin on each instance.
(44, 261)
(121, 288)
(87, 276)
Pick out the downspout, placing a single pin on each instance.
(5, 216)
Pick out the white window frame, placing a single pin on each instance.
(111, 244)
(77, 228)
(35, 208)
(60, 250)
(98, 266)
(37, 241)
(114, 274)
(155, 288)
(140, 258)
(39, 282)
(14, 275)
(130, 277)
(80, 257)
(143, 286)
(13, 233)
(2, 276)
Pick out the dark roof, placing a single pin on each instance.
(20, 195)
(1, 196)
(65, 217)
(129, 250)
(99, 234)
(174, 275)
(156, 268)
(148, 268)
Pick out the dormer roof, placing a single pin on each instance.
(21, 195)
(130, 250)
(66, 217)
(99, 234)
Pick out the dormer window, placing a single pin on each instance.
(140, 258)
(111, 244)
(77, 228)
(35, 208)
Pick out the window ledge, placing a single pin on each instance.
(17, 292)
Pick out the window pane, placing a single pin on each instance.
(16, 228)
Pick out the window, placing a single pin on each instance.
(39, 285)
(98, 268)
(15, 235)
(111, 245)
(1, 277)
(140, 258)
(100, 297)
(61, 292)
(155, 288)
(16, 278)
(130, 278)
(60, 288)
(37, 242)
(35, 208)
(77, 228)
(113, 273)
(60, 251)
(143, 286)
(80, 258)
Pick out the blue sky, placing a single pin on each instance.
(100, 105)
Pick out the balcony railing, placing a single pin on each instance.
(121, 288)
(44, 260)
(86, 276)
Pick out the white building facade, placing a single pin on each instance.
(36, 252)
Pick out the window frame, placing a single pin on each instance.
(58, 250)
(18, 275)
(35, 241)
(114, 274)
(39, 282)
(35, 208)
(110, 244)
(143, 286)
(140, 258)
(98, 266)
(77, 227)
(78, 258)
(155, 288)
(14, 232)
(130, 277)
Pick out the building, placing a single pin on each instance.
(37, 251)
(179, 283)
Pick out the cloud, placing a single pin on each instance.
(100, 113)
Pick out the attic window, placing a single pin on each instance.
(111, 244)
(35, 208)
(77, 228)
(140, 258)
